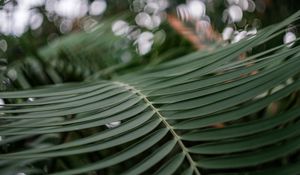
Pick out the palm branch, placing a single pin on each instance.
(202, 113)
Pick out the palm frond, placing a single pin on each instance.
(202, 113)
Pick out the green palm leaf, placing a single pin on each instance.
(168, 116)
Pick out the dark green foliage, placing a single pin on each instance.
(201, 113)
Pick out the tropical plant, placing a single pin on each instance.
(202, 113)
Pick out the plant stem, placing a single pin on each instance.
(163, 119)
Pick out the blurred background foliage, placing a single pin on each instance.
(64, 40)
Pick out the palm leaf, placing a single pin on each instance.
(169, 116)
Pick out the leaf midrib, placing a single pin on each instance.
(164, 121)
